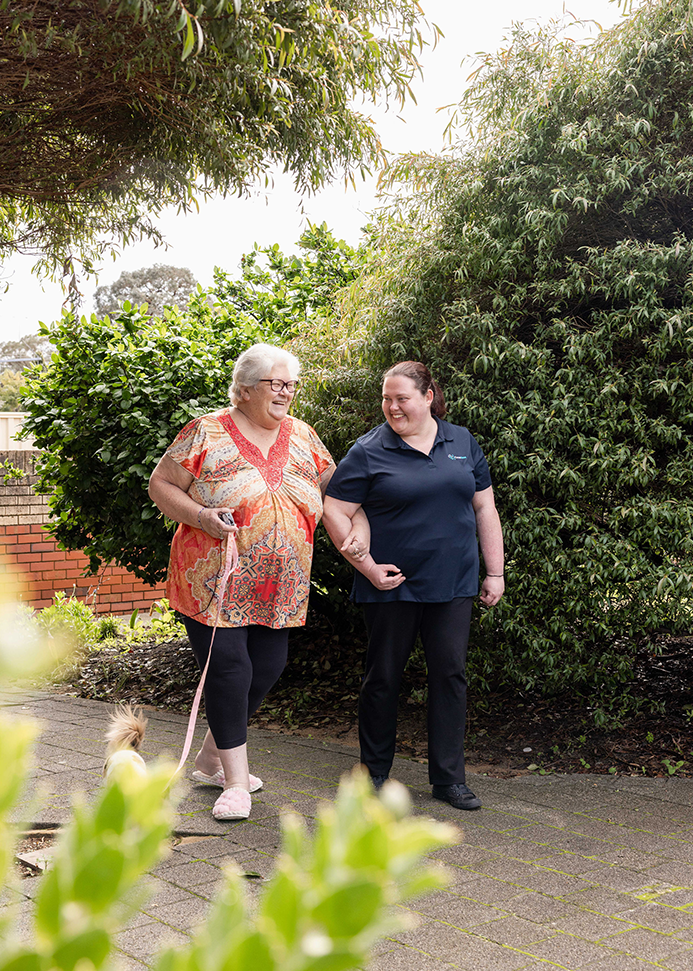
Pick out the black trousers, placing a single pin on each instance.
(246, 662)
(392, 630)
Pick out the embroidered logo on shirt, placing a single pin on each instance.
(456, 456)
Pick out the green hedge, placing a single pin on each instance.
(544, 274)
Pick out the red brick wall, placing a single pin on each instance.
(26, 547)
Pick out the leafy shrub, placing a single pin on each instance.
(108, 628)
(119, 390)
(543, 271)
(163, 626)
(69, 618)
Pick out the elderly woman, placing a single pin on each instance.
(425, 487)
(268, 471)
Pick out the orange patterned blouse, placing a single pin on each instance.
(277, 503)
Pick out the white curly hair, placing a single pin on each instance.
(256, 363)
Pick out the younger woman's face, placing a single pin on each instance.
(406, 410)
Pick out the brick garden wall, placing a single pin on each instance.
(26, 547)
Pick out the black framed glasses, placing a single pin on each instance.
(277, 385)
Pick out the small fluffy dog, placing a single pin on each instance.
(124, 738)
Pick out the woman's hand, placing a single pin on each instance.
(492, 590)
(357, 543)
(384, 576)
(210, 520)
(352, 547)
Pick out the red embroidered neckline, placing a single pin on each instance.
(272, 467)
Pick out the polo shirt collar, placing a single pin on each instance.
(391, 439)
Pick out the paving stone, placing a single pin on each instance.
(29, 887)
(678, 898)
(51, 757)
(461, 949)
(122, 962)
(139, 920)
(567, 951)
(206, 847)
(633, 858)
(659, 917)
(536, 907)
(664, 846)
(555, 884)
(607, 832)
(455, 910)
(502, 823)
(188, 875)
(185, 915)
(683, 961)
(571, 864)
(21, 927)
(680, 874)
(470, 856)
(564, 840)
(645, 822)
(593, 927)
(644, 943)
(527, 849)
(602, 900)
(142, 942)
(678, 850)
(514, 931)
(487, 890)
(67, 782)
(619, 962)
(256, 837)
(458, 876)
(615, 878)
(400, 958)
(163, 893)
(206, 891)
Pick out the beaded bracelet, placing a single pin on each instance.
(199, 513)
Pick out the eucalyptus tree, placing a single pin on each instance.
(543, 268)
(157, 286)
(114, 109)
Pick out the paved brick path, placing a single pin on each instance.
(554, 872)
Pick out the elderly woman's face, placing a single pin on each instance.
(265, 406)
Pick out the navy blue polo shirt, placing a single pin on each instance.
(420, 511)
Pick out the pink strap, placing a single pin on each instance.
(230, 566)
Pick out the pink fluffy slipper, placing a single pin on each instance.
(218, 780)
(233, 803)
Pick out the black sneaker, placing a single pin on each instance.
(458, 795)
(378, 781)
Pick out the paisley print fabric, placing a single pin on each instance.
(277, 505)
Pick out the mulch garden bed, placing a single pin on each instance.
(511, 734)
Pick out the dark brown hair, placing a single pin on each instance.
(421, 376)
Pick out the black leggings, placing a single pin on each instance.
(246, 662)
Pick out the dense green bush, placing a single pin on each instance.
(543, 270)
(118, 391)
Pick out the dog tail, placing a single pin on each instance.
(126, 729)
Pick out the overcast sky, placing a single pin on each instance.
(225, 229)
